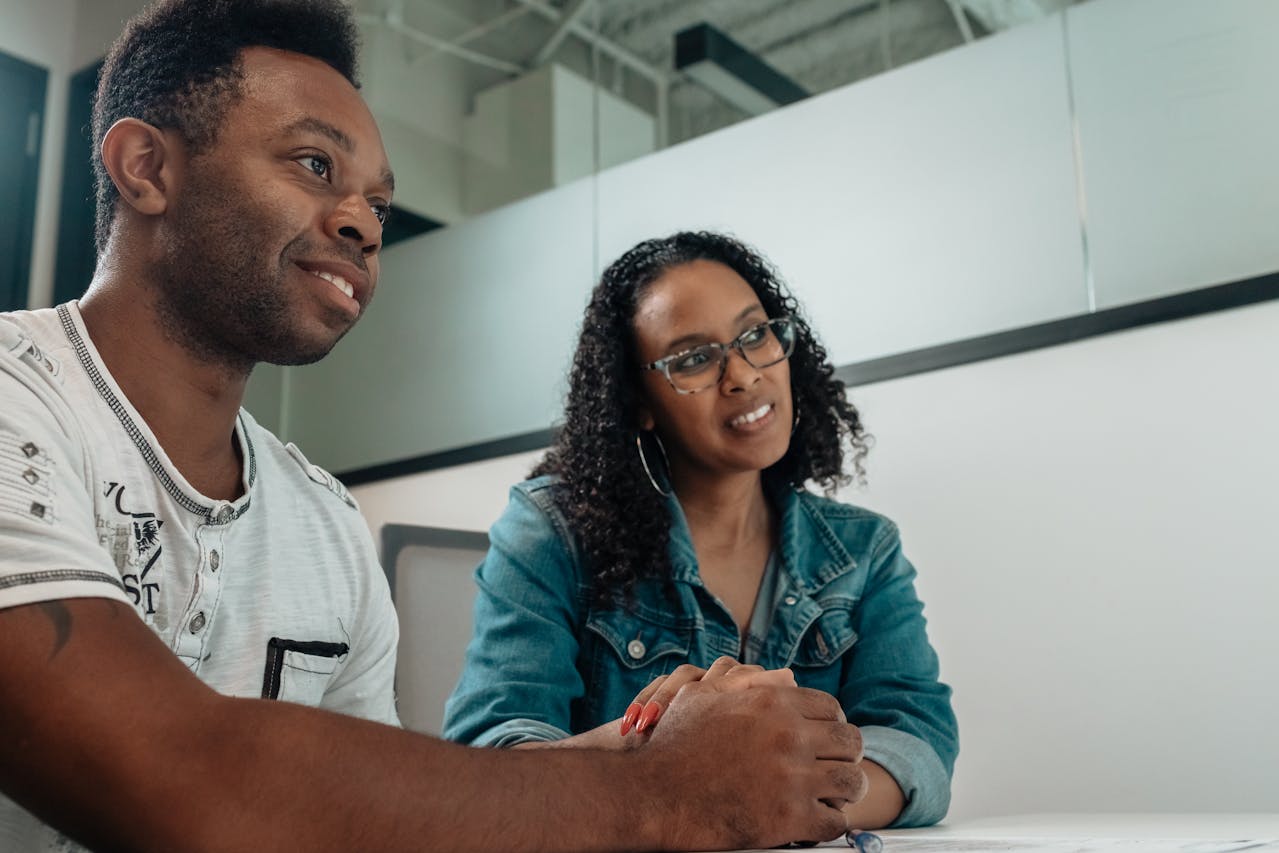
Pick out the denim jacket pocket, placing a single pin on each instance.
(830, 635)
(626, 651)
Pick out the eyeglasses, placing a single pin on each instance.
(703, 366)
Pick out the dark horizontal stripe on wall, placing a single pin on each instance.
(1179, 306)
(449, 458)
(1235, 294)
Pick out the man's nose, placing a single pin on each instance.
(354, 221)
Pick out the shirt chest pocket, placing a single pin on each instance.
(625, 652)
(300, 671)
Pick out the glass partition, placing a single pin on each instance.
(485, 102)
(994, 167)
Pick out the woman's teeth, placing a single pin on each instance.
(751, 417)
(337, 281)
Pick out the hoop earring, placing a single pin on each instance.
(644, 461)
(794, 424)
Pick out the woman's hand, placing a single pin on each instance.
(642, 714)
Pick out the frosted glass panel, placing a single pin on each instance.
(467, 339)
(1179, 134)
(931, 203)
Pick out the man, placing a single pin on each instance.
(167, 567)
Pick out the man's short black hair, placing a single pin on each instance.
(177, 66)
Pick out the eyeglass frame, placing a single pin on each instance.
(663, 364)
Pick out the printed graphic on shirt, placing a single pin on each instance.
(42, 359)
(27, 350)
(131, 535)
(25, 477)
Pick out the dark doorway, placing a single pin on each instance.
(22, 88)
(76, 254)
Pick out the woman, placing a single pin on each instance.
(669, 526)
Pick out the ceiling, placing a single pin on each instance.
(627, 46)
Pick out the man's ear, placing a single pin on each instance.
(141, 160)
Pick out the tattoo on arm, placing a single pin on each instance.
(60, 616)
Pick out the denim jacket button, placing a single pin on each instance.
(790, 599)
(635, 649)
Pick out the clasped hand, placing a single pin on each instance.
(726, 673)
(754, 724)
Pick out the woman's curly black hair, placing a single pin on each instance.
(622, 524)
(177, 66)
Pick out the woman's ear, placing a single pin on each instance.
(140, 158)
(645, 418)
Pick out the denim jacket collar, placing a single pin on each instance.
(812, 555)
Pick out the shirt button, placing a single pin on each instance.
(790, 599)
(224, 515)
(197, 623)
(215, 560)
(635, 649)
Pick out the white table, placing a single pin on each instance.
(1118, 825)
(1090, 833)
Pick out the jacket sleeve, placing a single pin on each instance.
(891, 690)
(520, 677)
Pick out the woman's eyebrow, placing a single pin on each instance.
(700, 337)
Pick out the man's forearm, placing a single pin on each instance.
(114, 741)
(606, 736)
(318, 781)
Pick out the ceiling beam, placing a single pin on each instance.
(961, 20)
(571, 15)
(997, 15)
(396, 25)
(609, 48)
(483, 29)
(721, 65)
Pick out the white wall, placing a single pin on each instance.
(468, 497)
(1093, 526)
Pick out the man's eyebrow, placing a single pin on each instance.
(315, 125)
(310, 124)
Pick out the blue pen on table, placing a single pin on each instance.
(864, 842)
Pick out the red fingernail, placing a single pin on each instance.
(651, 712)
(631, 715)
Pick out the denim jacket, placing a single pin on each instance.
(547, 661)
